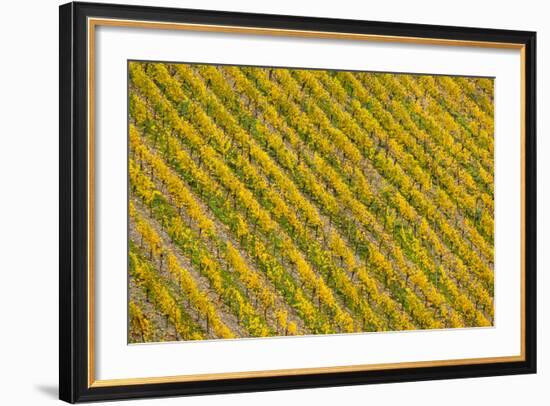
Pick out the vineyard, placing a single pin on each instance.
(271, 201)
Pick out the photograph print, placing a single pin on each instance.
(271, 201)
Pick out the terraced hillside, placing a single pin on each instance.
(271, 201)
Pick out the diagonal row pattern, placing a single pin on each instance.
(271, 201)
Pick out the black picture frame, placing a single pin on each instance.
(73, 197)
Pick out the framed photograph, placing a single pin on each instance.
(257, 202)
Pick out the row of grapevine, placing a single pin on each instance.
(318, 98)
(271, 92)
(186, 239)
(196, 299)
(284, 201)
(207, 187)
(308, 180)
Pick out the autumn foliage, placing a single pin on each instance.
(267, 201)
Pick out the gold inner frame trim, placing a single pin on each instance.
(94, 22)
(299, 371)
